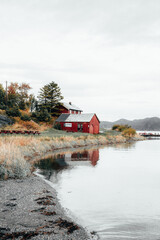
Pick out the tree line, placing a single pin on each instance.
(16, 97)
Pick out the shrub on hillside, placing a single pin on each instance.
(34, 114)
(57, 126)
(2, 107)
(115, 127)
(123, 127)
(25, 117)
(22, 105)
(120, 128)
(129, 132)
(13, 112)
(42, 116)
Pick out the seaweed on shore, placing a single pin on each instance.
(6, 235)
(14, 235)
(44, 212)
(71, 227)
(45, 200)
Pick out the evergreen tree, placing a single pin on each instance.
(2, 97)
(50, 96)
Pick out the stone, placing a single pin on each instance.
(4, 120)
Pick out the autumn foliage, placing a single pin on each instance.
(126, 130)
(24, 109)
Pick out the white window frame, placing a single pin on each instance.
(68, 125)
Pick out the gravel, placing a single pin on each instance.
(29, 209)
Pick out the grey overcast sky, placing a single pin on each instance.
(104, 54)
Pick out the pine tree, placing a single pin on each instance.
(2, 97)
(49, 96)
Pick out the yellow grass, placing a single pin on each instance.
(2, 112)
(27, 125)
(16, 152)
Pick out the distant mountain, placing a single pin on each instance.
(149, 124)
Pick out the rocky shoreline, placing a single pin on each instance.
(30, 209)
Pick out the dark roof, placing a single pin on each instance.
(65, 117)
(70, 106)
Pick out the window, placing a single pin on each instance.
(67, 124)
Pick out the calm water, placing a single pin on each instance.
(114, 191)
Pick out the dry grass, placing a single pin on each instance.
(2, 112)
(12, 162)
(28, 125)
(17, 152)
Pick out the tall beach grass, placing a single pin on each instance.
(17, 152)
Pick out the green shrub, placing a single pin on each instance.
(123, 127)
(22, 105)
(13, 112)
(25, 117)
(120, 128)
(129, 132)
(42, 116)
(115, 127)
(2, 107)
(57, 126)
(34, 114)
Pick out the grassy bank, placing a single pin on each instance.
(16, 152)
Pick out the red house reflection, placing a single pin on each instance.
(90, 155)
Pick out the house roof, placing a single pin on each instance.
(65, 117)
(70, 106)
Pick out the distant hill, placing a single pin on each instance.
(149, 124)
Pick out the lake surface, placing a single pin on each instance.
(114, 191)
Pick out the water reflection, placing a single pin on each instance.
(91, 155)
(113, 190)
(124, 146)
(51, 166)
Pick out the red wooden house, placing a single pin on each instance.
(87, 123)
(69, 108)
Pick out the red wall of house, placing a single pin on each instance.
(64, 110)
(74, 127)
(94, 156)
(94, 125)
